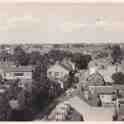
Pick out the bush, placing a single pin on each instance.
(118, 78)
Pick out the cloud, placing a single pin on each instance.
(111, 25)
(101, 24)
(71, 26)
(14, 23)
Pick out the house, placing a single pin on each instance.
(59, 71)
(106, 70)
(107, 94)
(90, 78)
(14, 72)
(95, 79)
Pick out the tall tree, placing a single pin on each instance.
(21, 58)
(118, 78)
(58, 55)
(81, 60)
(116, 55)
(35, 57)
(4, 56)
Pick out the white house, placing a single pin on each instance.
(13, 72)
(58, 71)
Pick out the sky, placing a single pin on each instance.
(57, 23)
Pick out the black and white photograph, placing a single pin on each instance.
(61, 62)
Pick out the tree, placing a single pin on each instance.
(70, 80)
(81, 60)
(101, 54)
(37, 73)
(41, 86)
(118, 78)
(58, 55)
(4, 55)
(20, 56)
(116, 55)
(34, 57)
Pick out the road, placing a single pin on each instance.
(89, 113)
(44, 114)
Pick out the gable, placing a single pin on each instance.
(95, 78)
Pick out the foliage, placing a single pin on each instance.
(116, 54)
(20, 56)
(58, 55)
(4, 55)
(118, 78)
(34, 57)
(102, 54)
(70, 80)
(81, 60)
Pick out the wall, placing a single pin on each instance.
(11, 75)
(57, 72)
(106, 98)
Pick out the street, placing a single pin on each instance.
(89, 113)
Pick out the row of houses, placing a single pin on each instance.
(96, 80)
(10, 72)
(57, 72)
(98, 83)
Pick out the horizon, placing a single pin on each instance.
(57, 23)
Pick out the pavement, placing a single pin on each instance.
(88, 112)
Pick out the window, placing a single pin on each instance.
(56, 74)
(19, 74)
(50, 73)
(121, 102)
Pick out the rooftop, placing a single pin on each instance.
(96, 78)
(13, 68)
(66, 66)
(103, 89)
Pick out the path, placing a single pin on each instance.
(91, 113)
